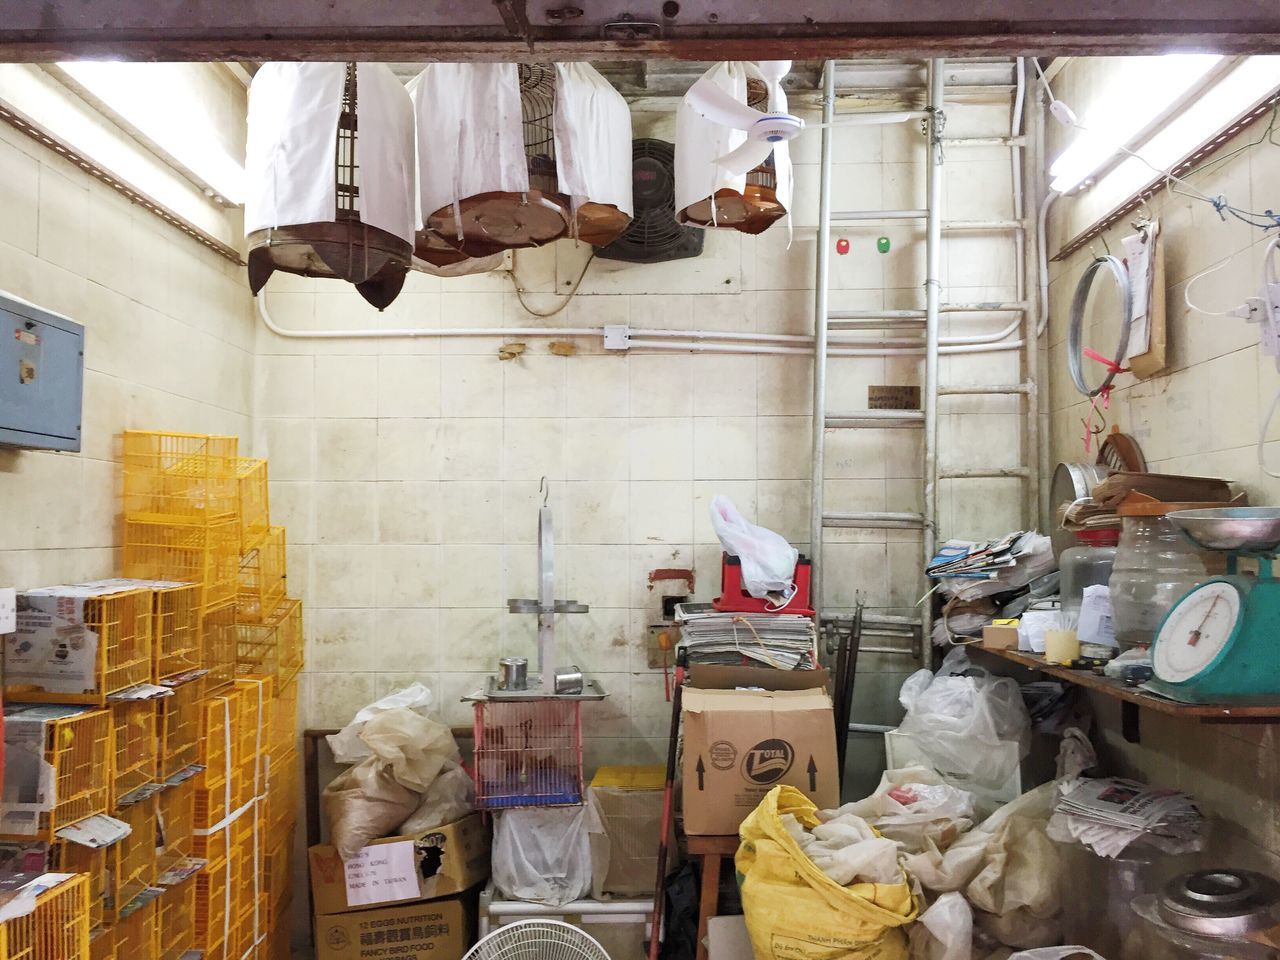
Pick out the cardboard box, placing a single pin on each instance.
(727, 938)
(424, 866)
(625, 837)
(739, 744)
(440, 929)
(1000, 635)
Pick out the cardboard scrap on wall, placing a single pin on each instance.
(1148, 334)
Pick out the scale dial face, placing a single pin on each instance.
(1196, 631)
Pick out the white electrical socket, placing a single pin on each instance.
(8, 610)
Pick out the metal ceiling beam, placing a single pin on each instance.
(421, 30)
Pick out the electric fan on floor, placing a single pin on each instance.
(538, 940)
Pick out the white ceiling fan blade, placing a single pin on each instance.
(865, 119)
(746, 157)
(720, 106)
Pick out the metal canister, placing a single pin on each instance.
(569, 681)
(513, 673)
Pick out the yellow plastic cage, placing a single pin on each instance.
(121, 622)
(137, 934)
(255, 514)
(77, 743)
(207, 555)
(211, 909)
(176, 920)
(278, 873)
(71, 857)
(274, 647)
(57, 928)
(284, 718)
(180, 478)
(102, 944)
(282, 792)
(262, 578)
(175, 624)
(131, 862)
(177, 823)
(218, 646)
(179, 724)
(133, 725)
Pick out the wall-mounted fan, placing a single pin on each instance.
(653, 236)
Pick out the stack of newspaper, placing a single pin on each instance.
(984, 559)
(1107, 815)
(782, 640)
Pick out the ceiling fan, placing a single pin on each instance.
(765, 128)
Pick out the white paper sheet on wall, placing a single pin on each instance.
(1139, 257)
(382, 872)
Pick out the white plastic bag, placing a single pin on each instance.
(543, 855)
(944, 931)
(768, 561)
(451, 796)
(962, 717)
(346, 744)
(1055, 953)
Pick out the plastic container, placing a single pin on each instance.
(1155, 565)
(262, 578)
(136, 746)
(175, 622)
(78, 746)
(251, 481)
(208, 555)
(1087, 564)
(181, 478)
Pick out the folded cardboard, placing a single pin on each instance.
(1000, 635)
(739, 744)
(439, 929)
(436, 863)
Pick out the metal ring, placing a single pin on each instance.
(1075, 346)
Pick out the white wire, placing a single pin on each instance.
(1262, 437)
(1186, 291)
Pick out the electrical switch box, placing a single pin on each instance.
(41, 377)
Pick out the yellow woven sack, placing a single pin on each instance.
(794, 911)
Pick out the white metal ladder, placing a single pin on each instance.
(1024, 309)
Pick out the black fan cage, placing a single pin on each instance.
(653, 235)
(347, 166)
(537, 113)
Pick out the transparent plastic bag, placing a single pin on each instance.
(1056, 953)
(451, 796)
(768, 560)
(954, 714)
(346, 744)
(543, 855)
(914, 806)
(944, 931)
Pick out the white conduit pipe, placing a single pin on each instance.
(1041, 244)
(643, 344)
(649, 338)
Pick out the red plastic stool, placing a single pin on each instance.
(735, 599)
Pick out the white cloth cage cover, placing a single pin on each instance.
(701, 142)
(470, 135)
(291, 149)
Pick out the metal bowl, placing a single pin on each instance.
(1247, 529)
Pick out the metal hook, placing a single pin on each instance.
(544, 489)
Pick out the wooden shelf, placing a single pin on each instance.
(1132, 698)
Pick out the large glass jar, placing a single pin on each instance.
(1154, 566)
(1087, 564)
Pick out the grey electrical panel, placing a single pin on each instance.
(41, 377)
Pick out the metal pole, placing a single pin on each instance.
(820, 338)
(933, 282)
(1033, 190)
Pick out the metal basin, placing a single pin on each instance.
(1247, 529)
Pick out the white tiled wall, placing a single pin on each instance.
(168, 345)
(408, 470)
(1202, 417)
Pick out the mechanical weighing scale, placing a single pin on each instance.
(1221, 642)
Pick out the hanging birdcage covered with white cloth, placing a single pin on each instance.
(330, 172)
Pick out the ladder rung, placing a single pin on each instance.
(1003, 473)
(846, 216)
(874, 419)
(981, 225)
(875, 520)
(1000, 306)
(984, 141)
(984, 390)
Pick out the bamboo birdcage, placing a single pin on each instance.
(345, 247)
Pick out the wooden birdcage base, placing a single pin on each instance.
(430, 247)
(600, 224)
(372, 259)
(752, 211)
(497, 221)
